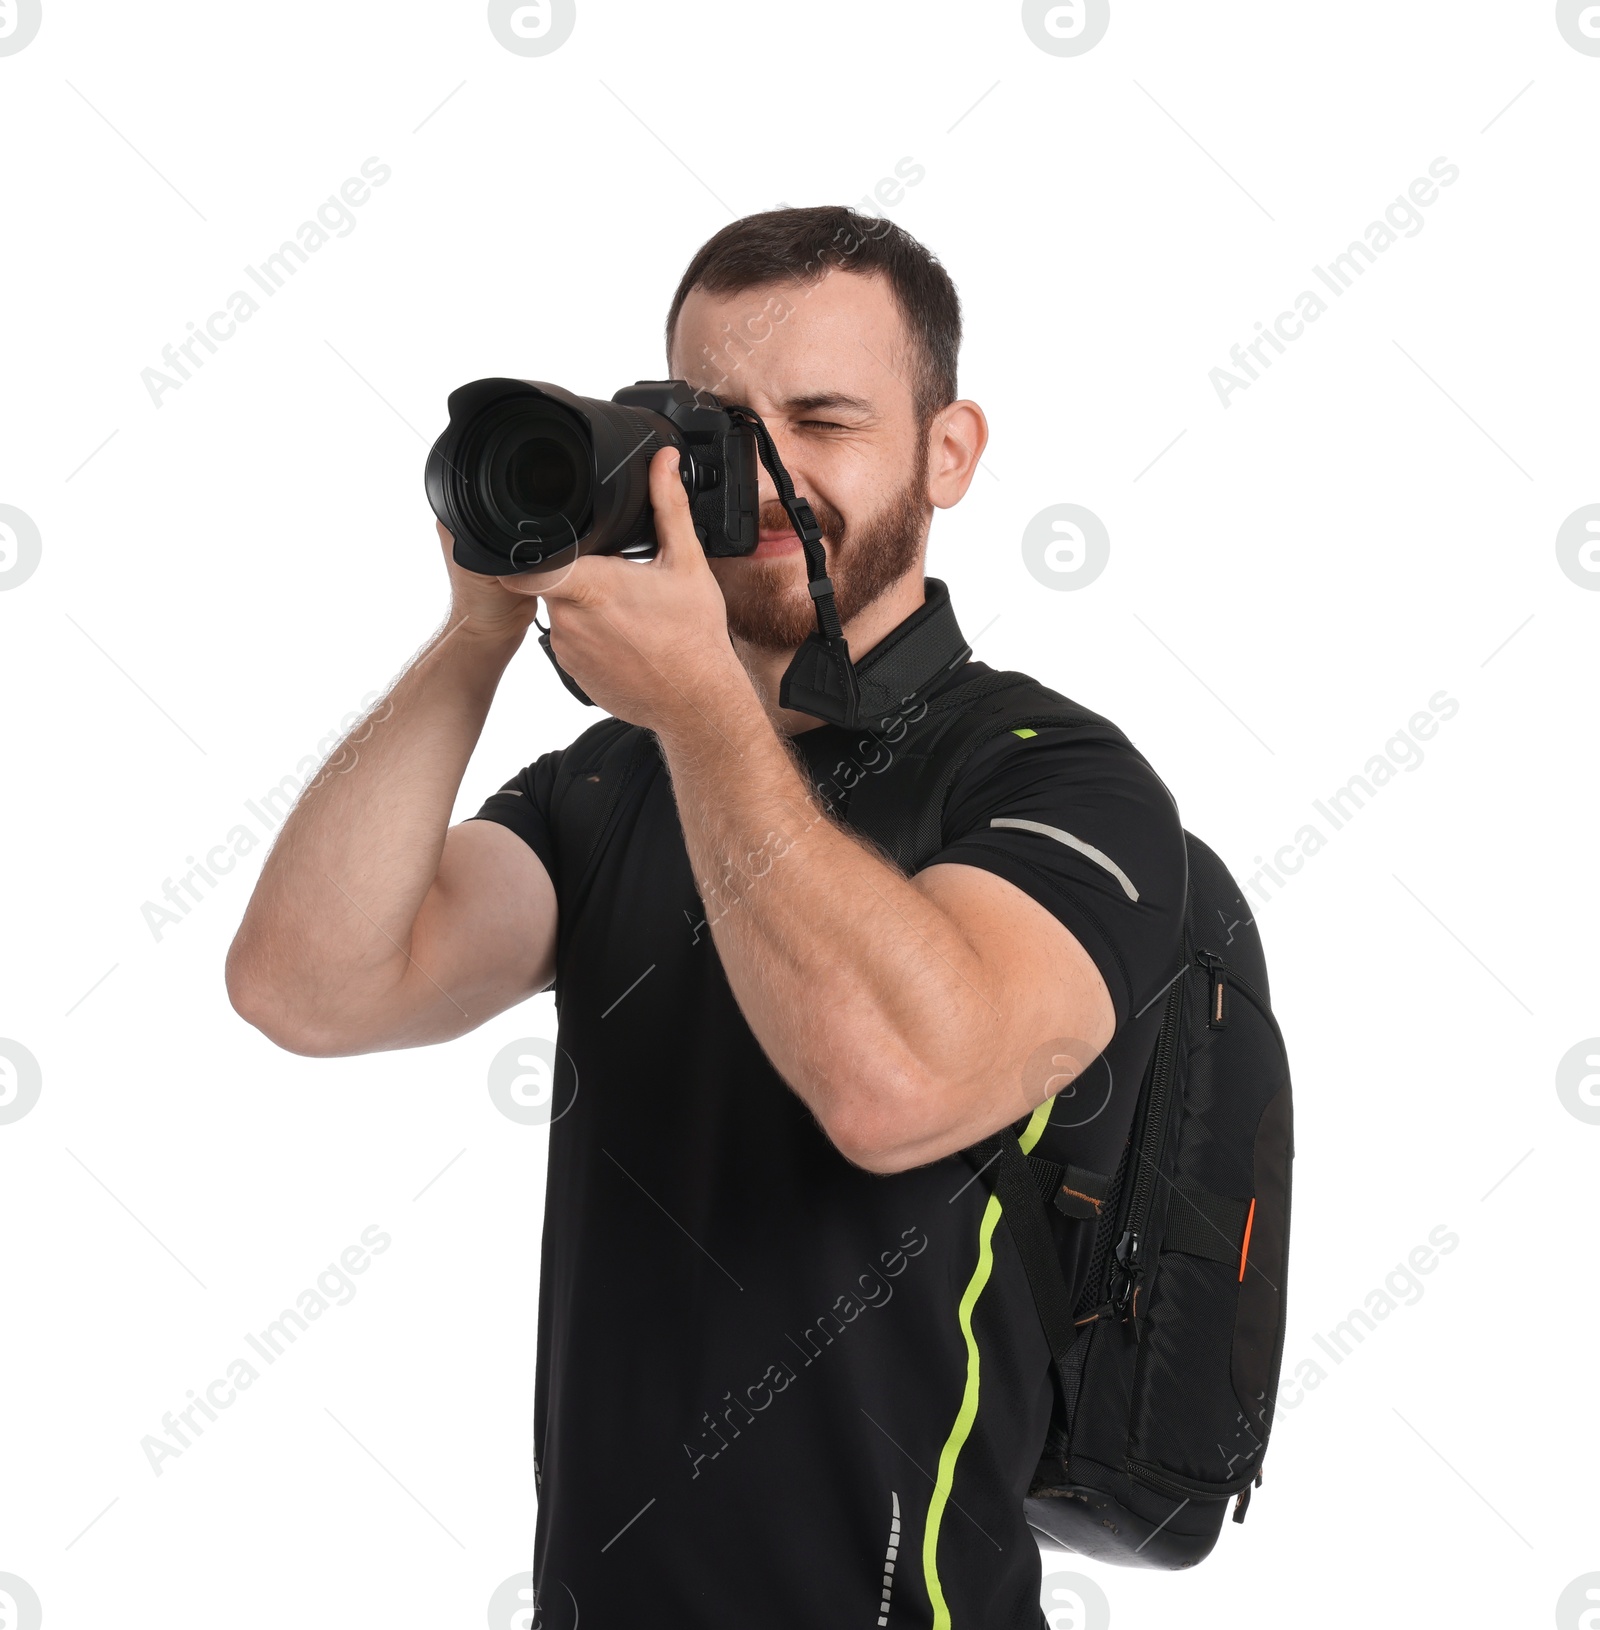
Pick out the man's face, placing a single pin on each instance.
(828, 366)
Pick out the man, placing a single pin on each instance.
(789, 1371)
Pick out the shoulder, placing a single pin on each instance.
(560, 803)
(1037, 743)
(598, 759)
(608, 741)
(1064, 806)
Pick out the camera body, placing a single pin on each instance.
(527, 474)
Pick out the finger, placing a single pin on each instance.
(571, 582)
(675, 534)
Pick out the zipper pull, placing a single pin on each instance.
(1217, 1004)
(1131, 1270)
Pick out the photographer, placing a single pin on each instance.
(789, 1370)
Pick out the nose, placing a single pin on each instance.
(783, 445)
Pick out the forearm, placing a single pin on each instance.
(862, 991)
(333, 911)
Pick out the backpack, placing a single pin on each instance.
(1166, 1372)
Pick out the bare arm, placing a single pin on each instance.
(375, 924)
(954, 1003)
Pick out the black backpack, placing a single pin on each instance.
(1167, 1370)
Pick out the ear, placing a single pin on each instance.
(956, 440)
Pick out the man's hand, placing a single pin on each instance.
(484, 607)
(646, 640)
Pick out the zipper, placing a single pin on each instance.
(1217, 999)
(1127, 1269)
(1129, 1264)
(1214, 965)
(1171, 1483)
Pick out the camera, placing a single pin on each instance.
(527, 472)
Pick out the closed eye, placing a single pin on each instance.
(821, 424)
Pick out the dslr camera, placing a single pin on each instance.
(526, 472)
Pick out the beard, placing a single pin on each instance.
(769, 604)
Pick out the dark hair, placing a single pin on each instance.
(803, 245)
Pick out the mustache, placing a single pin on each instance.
(773, 517)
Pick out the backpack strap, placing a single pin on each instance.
(999, 1157)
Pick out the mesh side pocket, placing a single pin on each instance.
(1104, 1238)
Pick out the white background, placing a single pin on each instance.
(1371, 522)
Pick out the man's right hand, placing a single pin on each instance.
(483, 606)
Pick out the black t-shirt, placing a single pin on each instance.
(773, 1388)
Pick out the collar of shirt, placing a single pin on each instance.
(908, 663)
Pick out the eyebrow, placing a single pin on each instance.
(826, 399)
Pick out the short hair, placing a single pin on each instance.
(805, 244)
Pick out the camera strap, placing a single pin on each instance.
(821, 680)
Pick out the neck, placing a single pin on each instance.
(863, 631)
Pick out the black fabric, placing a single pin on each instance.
(1258, 1324)
(1046, 1175)
(909, 662)
(1072, 1370)
(1093, 786)
(1202, 1223)
(1175, 1406)
(751, 1353)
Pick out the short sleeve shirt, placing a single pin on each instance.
(757, 1396)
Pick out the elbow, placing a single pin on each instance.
(893, 1133)
(291, 1035)
(263, 1008)
(280, 1028)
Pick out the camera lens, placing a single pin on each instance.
(540, 475)
(527, 463)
